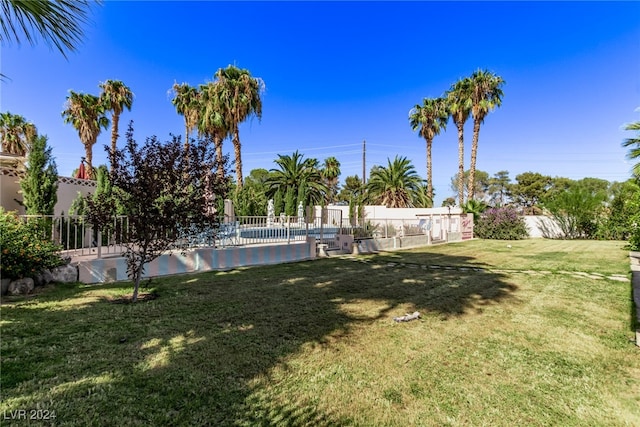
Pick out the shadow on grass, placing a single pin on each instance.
(198, 354)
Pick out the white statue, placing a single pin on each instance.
(300, 210)
(271, 213)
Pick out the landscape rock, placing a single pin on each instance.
(65, 274)
(21, 286)
(5, 285)
(42, 278)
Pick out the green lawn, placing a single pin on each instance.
(508, 336)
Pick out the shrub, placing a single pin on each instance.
(501, 224)
(623, 219)
(26, 247)
(634, 238)
(577, 211)
(634, 222)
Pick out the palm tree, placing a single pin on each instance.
(394, 184)
(57, 22)
(486, 94)
(634, 147)
(330, 173)
(421, 198)
(187, 102)
(459, 102)
(212, 119)
(295, 172)
(475, 207)
(87, 115)
(431, 117)
(240, 94)
(115, 97)
(16, 133)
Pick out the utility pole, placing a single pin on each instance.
(364, 161)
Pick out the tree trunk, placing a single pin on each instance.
(137, 270)
(136, 287)
(237, 149)
(474, 153)
(88, 154)
(429, 170)
(114, 140)
(460, 164)
(186, 137)
(217, 141)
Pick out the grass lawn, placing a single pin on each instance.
(508, 336)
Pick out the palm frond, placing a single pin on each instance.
(58, 23)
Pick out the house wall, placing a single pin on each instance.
(382, 212)
(68, 189)
(535, 224)
(10, 190)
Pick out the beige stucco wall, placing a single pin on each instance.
(68, 189)
(9, 190)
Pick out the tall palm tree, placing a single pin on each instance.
(88, 116)
(186, 99)
(421, 198)
(115, 97)
(294, 172)
(394, 184)
(16, 133)
(459, 102)
(330, 173)
(486, 94)
(240, 94)
(213, 122)
(58, 22)
(431, 117)
(634, 147)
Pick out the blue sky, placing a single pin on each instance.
(338, 73)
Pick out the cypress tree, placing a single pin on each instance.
(290, 201)
(278, 203)
(302, 195)
(40, 184)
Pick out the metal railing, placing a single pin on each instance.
(77, 237)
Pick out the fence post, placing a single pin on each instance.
(321, 225)
(288, 229)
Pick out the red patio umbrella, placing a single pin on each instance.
(82, 173)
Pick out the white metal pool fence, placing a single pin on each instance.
(77, 237)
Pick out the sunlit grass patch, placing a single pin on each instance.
(314, 343)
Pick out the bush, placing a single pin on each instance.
(501, 224)
(577, 211)
(623, 221)
(634, 232)
(634, 238)
(26, 247)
